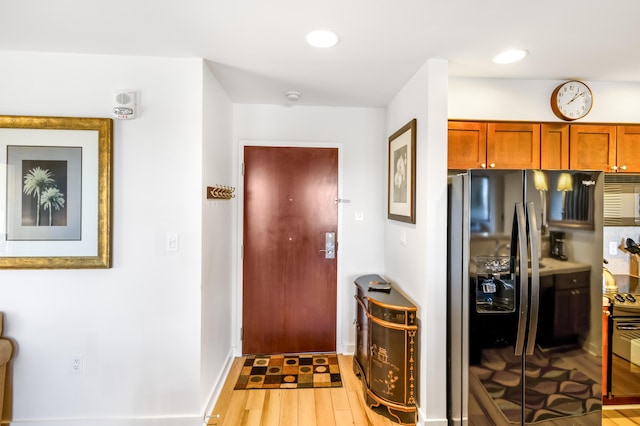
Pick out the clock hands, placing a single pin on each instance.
(575, 97)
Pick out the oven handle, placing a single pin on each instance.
(628, 326)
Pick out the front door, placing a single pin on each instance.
(289, 288)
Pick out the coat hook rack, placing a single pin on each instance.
(220, 192)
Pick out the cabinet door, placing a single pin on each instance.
(554, 146)
(362, 337)
(592, 147)
(388, 368)
(513, 145)
(628, 149)
(467, 145)
(572, 312)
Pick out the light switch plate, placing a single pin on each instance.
(172, 241)
(613, 248)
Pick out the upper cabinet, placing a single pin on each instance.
(549, 146)
(628, 149)
(592, 147)
(493, 145)
(554, 146)
(467, 145)
(609, 148)
(513, 145)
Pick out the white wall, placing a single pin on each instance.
(362, 180)
(529, 100)
(420, 266)
(137, 325)
(218, 239)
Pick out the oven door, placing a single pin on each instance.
(625, 357)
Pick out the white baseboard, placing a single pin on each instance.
(217, 387)
(179, 420)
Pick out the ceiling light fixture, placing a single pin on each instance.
(510, 56)
(322, 38)
(293, 96)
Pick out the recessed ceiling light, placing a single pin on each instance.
(322, 38)
(510, 56)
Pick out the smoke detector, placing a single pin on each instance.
(293, 96)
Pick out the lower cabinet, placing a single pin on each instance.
(386, 342)
(565, 306)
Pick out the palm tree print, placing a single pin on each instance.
(39, 183)
(51, 199)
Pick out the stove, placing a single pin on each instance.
(626, 302)
(623, 376)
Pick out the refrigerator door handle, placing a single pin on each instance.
(535, 278)
(519, 244)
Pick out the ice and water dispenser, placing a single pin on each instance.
(495, 290)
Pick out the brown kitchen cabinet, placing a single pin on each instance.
(628, 149)
(467, 145)
(554, 146)
(500, 145)
(592, 147)
(566, 305)
(385, 358)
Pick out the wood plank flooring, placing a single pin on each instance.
(327, 407)
(621, 417)
(296, 407)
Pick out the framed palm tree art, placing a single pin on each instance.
(55, 192)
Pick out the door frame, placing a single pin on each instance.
(237, 294)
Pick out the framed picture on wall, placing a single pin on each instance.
(402, 174)
(55, 192)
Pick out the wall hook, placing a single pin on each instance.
(220, 192)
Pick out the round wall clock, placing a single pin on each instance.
(571, 100)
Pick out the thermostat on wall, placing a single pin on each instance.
(124, 107)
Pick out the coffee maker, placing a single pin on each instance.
(557, 245)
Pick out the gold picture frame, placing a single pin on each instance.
(402, 174)
(55, 192)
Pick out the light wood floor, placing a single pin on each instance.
(626, 417)
(325, 407)
(300, 407)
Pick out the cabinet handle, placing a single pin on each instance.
(483, 165)
(624, 167)
(492, 165)
(574, 281)
(614, 167)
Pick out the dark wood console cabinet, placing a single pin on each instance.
(385, 358)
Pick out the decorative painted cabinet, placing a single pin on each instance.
(386, 345)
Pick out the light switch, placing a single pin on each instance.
(403, 237)
(359, 216)
(172, 241)
(613, 248)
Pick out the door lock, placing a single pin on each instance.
(329, 245)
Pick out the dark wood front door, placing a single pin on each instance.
(289, 286)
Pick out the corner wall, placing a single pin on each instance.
(137, 325)
(419, 265)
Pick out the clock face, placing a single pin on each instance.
(571, 100)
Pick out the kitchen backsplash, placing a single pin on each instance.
(619, 263)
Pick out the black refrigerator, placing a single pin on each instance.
(524, 346)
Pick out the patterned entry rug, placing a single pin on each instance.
(554, 389)
(290, 371)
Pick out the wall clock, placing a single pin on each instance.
(571, 100)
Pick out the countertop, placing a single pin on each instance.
(554, 266)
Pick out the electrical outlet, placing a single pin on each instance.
(76, 363)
